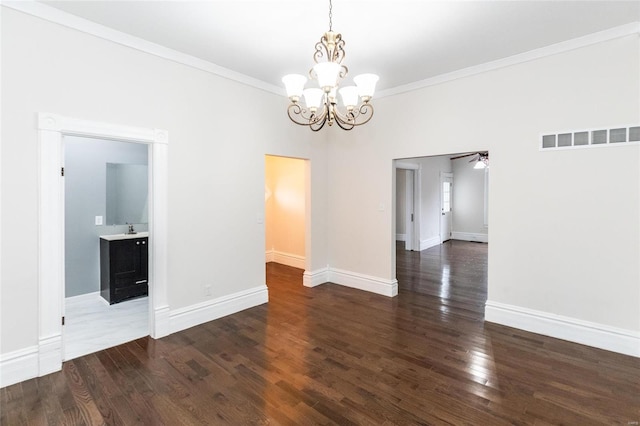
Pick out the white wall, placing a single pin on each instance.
(401, 204)
(216, 162)
(564, 242)
(430, 211)
(468, 201)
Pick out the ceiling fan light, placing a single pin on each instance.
(482, 163)
(294, 85)
(349, 95)
(313, 98)
(366, 85)
(327, 74)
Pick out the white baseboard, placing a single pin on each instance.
(82, 297)
(315, 278)
(470, 236)
(401, 237)
(162, 324)
(268, 256)
(430, 242)
(364, 282)
(18, 366)
(574, 330)
(190, 316)
(288, 259)
(50, 355)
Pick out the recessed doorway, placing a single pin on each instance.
(106, 189)
(286, 215)
(51, 263)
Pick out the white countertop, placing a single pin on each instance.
(115, 237)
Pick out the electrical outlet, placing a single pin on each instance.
(207, 290)
(98, 220)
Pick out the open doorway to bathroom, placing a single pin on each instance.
(286, 189)
(106, 204)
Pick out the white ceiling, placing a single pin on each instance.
(401, 40)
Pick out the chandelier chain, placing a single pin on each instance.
(330, 16)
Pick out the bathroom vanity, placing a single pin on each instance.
(124, 266)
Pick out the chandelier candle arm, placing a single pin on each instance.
(321, 103)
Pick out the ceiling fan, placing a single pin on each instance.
(481, 159)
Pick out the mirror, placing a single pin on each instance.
(127, 194)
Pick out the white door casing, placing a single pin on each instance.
(409, 211)
(446, 208)
(413, 202)
(51, 129)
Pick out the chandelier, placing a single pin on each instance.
(320, 103)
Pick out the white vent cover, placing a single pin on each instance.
(595, 137)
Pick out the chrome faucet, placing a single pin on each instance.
(131, 230)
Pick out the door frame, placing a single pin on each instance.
(444, 176)
(412, 241)
(51, 245)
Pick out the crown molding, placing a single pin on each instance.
(554, 49)
(57, 16)
(52, 14)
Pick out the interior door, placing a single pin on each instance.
(446, 196)
(409, 211)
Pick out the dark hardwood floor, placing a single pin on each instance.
(334, 355)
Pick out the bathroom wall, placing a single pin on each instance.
(85, 198)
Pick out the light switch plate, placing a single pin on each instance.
(98, 220)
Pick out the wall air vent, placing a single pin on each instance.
(618, 136)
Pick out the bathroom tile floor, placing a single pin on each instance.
(92, 325)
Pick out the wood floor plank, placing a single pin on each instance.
(335, 355)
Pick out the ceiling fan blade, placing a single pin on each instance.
(463, 155)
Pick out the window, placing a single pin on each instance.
(446, 197)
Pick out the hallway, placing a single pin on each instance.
(454, 272)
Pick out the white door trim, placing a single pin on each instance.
(412, 238)
(409, 243)
(51, 129)
(445, 176)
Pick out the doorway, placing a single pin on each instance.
(407, 202)
(446, 199)
(286, 215)
(106, 191)
(450, 211)
(51, 245)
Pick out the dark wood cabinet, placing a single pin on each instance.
(124, 269)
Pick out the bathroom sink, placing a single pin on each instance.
(124, 236)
